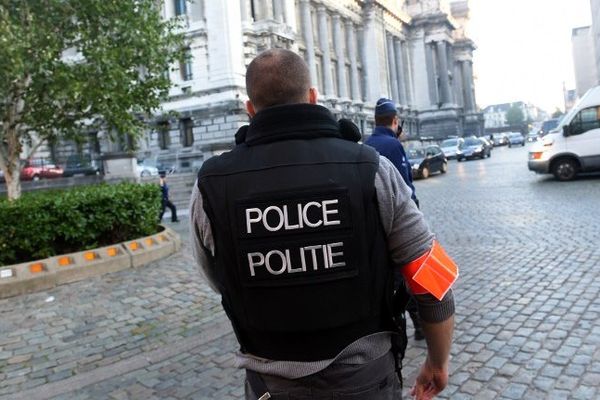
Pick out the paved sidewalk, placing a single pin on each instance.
(528, 310)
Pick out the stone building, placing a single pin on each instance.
(586, 72)
(416, 52)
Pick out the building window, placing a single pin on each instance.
(164, 135)
(180, 7)
(319, 74)
(185, 66)
(334, 78)
(187, 132)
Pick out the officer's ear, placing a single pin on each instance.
(250, 109)
(313, 95)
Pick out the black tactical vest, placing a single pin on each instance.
(300, 254)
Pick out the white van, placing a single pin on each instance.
(574, 145)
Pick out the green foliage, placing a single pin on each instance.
(68, 66)
(515, 116)
(557, 113)
(45, 224)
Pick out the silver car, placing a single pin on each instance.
(449, 147)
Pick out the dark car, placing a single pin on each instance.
(81, 165)
(487, 146)
(426, 160)
(470, 148)
(548, 125)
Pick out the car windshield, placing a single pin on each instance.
(472, 142)
(449, 142)
(414, 154)
(549, 125)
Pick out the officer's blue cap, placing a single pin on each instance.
(385, 107)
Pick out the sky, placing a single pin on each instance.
(524, 49)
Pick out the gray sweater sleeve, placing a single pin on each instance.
(201, 237)
(407, 233)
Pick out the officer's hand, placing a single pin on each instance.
(431, 381)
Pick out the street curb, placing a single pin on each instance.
(45, 274)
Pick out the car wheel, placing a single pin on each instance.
(509, 145)
(145, 173)
(425, 173)
(523, 144)
(565, 169)
(459, 159)
(489, 154)
(444, 167)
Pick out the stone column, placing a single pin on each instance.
(324, 44)
(225, 48)
(431, 78)
(371, 68)
(338, 42)
(468, 82)
(278, 10)
(442, 58)
(393, 70)
(351, 43)
(244, 10)
(400, 62)
(458, 85)
(309, 40)
(408, 75)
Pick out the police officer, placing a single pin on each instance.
(385, 140)
(295, 228)
(165, 201)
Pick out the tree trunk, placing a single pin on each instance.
(13, 181)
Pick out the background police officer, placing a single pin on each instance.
(295, 228)
(385, 139)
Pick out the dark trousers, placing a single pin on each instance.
(376, 380)
(167, 203)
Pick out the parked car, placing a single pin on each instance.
(487, 146)
(449, 147)
(515, 138)
(574, 146)
(426, 160)
(37, 169)
(500, 139)
(81, 165)
(146, 168)
(532, 136)
(548, 126)
(470, 148)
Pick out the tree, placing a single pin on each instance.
(515, 116)
(557, 113)
(68, 66)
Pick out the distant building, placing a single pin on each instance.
(570, 99)
(495, 115)
(584, 58)
(595, 4)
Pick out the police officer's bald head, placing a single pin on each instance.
(278, 77)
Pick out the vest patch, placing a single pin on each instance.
(296, 237)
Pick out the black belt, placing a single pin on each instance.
(258, 385)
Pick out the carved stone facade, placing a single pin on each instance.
(413, 51)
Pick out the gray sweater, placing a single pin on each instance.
(408, 237)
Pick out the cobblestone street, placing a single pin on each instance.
(528, 307)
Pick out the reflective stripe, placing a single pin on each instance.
(434, 272)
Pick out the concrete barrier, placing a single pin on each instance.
(45, 274)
